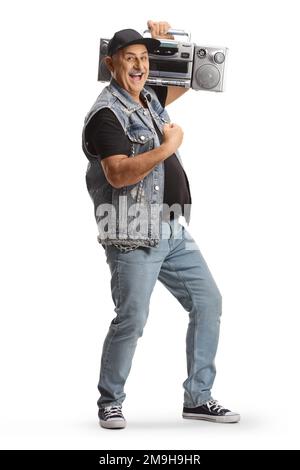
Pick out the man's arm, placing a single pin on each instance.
(158, 29)
(174, 92)
(121, 170)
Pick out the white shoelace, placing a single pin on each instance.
(111, 411)
(214, 405)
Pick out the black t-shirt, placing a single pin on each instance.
(105, 137)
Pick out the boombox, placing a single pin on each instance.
(183, 64)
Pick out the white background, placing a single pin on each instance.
(241, 153)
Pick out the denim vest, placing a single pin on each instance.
(130, 216)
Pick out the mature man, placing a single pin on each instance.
(137, 182)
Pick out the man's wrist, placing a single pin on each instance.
(166, 149)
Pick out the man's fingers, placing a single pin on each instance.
(150, 24)
(159, 28)
(163, 27)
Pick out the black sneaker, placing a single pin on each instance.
(211, 411)
(111, 417)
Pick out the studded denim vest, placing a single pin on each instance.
(130, 216)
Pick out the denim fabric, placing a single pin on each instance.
(117, 209)
(178, 263)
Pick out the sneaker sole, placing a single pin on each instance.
(113, 424)
(216, 419)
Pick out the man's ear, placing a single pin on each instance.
(109, 63)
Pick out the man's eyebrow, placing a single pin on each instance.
(132, 53)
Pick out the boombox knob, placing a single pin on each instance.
(219, 57)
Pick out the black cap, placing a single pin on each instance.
(126, 37)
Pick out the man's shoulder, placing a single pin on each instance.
(104, 113)
(102, 109)
(153, 90)
(158, 92)
(103, 117)
(150, 89)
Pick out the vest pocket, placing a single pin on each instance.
(140, 136)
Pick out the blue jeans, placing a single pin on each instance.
(179, 265)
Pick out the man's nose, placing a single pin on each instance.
(138, 63)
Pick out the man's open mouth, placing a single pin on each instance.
(136, 76)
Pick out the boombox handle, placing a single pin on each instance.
(177, 32)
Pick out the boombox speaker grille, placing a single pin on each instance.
(207, 76)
